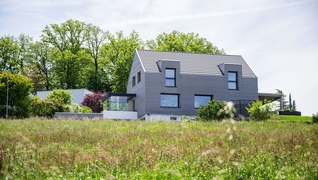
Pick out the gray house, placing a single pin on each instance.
(170, 85)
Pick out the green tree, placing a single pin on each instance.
(20, 88)
(71, 59)
(33, 73)
(64, 95)
(98, 79)
(9, 50)
(183, 42)
(41, 53)
(24, 56)
(117, 56)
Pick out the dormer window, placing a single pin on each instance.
(232, 80)
(171, 77)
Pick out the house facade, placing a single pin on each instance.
(171, 85)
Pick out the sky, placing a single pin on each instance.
(277, 38)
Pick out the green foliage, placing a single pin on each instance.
(315, 118)
(258, 111)
(86, 109)
(20, 88)
(183, 42)
(216, 110)
(118, 54)
(99, 149)
(63, 95)
(47, 107)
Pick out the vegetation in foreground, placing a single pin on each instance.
(66, 149)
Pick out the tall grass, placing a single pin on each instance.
(103, 149)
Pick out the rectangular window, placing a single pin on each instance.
(201, 100)
(169, 100)
(138, 77)
(133, 81)
(171, 77)
(232, 80)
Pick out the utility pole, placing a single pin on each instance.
(7, 97)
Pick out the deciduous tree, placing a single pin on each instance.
(71, 59)
(118, 55)
(183, 42)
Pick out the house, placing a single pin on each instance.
(171, 85)
(78, 95)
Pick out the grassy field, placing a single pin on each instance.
(104, 149)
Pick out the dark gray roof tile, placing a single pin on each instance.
(191, 63)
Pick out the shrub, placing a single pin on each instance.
(216, 110)
(38, 107)
(315, 118)
(64, 95)
(258, 111)
(86, 109)
(93, 101)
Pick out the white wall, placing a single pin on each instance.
(120, 115)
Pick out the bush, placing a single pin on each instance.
(258, 111)
(216, 110)
(93, 101)
(64, 95)
(315, 118)
(86, 109)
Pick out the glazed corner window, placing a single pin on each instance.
(171, 77)
(232, 80)
(133, 81)
(201, 100)
(138, 77)
(169, 100)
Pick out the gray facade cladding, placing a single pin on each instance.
(195, 74)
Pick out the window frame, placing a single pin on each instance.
(170, 78)
(230, 81)
(167, 106)
(201, 95)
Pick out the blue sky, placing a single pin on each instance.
(277, 38)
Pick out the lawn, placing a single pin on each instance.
(307, 119)
(104, 149)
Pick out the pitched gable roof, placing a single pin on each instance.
(191, 63)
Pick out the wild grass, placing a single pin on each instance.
(104, 149)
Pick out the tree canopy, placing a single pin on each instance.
(183, 42)
(75, 54)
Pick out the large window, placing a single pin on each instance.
(169, 100)
(232, 80)
(201, 100)
(171, 77)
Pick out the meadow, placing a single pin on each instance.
(106, 149)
